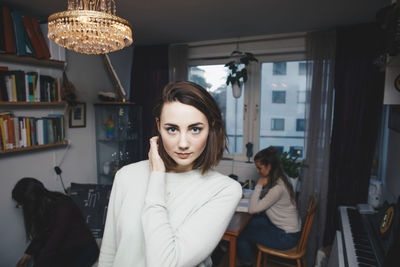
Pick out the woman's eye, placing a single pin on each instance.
(171, 129)
(196, 129)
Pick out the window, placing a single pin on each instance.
(213, 77)
(273, 99)
(302, 68)
(300, 125)
(296, 151)
(279, 149)
(279, 97)
(279, 68)
(277, 124)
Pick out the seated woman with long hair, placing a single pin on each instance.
(278, 226)
(54, 224)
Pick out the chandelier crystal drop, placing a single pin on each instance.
(90, 27)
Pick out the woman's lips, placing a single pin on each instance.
(183, 155)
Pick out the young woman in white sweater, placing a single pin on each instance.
(278, 224)
(173, 209)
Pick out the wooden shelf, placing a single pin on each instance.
(58, 103)
(27, 60)
(114, 103)
(29, 148)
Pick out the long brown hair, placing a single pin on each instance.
(270, 156)
(194, 95)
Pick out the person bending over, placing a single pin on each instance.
(54, 224)
(278, 225)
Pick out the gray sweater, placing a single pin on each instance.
(278, 207)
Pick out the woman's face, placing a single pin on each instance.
(262, 169)
(184, 132)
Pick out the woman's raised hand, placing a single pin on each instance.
(263, 181)
(156, 162)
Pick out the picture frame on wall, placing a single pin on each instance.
(77, 116)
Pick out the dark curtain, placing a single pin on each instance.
(149, 76)
(359, 86)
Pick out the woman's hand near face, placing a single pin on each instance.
(263, 181)
(156, 163)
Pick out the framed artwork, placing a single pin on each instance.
(77, 116)
(394, 118)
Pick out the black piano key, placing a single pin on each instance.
(367, 261)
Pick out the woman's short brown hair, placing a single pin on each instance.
(195, 95)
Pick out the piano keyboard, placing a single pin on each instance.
(357, 244)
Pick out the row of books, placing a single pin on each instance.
(21, 35)
(17, 132)
(17, 86)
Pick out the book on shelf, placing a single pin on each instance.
(33, 38)
(40, 36)
(8, 30)
(23, 44)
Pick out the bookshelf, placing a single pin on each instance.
(54, 103)
(38, 147)
(35, 109)
(27, 60)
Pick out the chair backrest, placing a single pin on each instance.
(312, 206)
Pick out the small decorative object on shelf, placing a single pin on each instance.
(110, 128)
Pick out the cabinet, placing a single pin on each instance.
(118, 137)
(34, 111)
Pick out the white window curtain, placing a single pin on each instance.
(320, 50)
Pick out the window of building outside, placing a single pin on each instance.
(258, 116)
(296, 151)
(279, 68)
(277, 124)
(300, 125)
(279, 97)
(302, 68)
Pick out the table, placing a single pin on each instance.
(235, 227)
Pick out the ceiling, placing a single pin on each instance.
(179, 21)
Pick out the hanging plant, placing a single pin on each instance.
(238, 69)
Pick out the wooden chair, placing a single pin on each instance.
(296, 253)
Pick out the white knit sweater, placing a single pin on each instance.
(166, 219)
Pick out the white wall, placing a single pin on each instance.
(89, 75)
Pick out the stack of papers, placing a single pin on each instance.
(243, 205)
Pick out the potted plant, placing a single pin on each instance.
(292, 167)
(238, 71)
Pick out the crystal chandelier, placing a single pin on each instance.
(90, 27)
